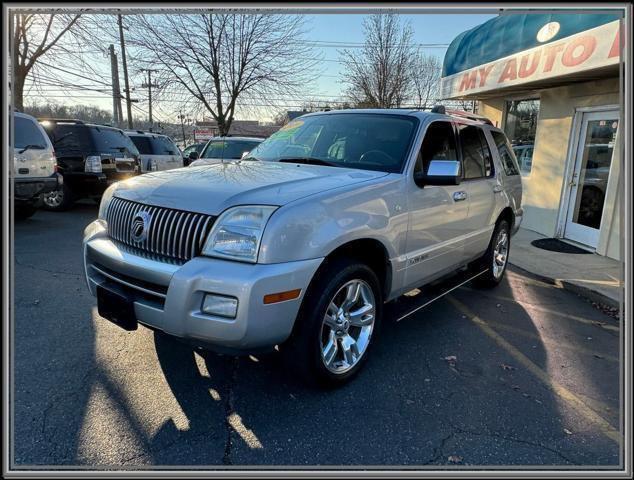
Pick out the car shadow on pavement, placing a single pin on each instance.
(439, 389)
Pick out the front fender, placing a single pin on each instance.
(315, 226)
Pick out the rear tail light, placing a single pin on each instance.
(93, 164)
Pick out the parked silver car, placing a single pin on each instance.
(344, 212)
(34, 164)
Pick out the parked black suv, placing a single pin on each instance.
(89, 157)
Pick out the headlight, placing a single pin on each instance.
(237, 233)
(105, 200)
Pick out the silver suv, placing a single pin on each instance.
(303, 243)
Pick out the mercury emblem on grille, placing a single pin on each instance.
(140, 226)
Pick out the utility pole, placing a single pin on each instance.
(117, 114)
(125, 73)
(149, 86)
(113, 59)
(182, 117)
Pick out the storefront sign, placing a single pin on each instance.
(589, 50)
(203, 133)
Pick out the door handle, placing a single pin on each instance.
(497, 189)
(459, 196)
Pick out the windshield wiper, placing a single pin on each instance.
(31, 146)
(309, 161)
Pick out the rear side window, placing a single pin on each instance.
(163, 146)
(28, 134)
(475, 152)
(109, 140)
(143, 144)
(68, 139)
(509, 162)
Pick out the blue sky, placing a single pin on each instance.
(338, 29)
(428, 29)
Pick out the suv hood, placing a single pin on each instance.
(211, 189)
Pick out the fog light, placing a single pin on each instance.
(220, 305)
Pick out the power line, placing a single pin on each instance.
(74, 73)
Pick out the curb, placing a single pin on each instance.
(586, 292)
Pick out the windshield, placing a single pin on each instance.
(109, 140)
(148, 145)
(228, 149)
(351, 140)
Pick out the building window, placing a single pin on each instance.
(520, 126)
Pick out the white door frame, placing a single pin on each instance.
(571, 157)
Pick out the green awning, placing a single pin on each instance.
(511, 33)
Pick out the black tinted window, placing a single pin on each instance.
(228, 149)
(109, 140)
(142, 144)
(473, 156)
(27, 134)
(439, 144)
(509, 162)
(68, 139)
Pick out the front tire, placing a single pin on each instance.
(337, 325)
(495, 260)
(58, 200)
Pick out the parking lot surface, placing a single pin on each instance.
(525, 374)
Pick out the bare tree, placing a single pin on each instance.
(381, 75)
(33, 36)
(426, 71)
(216, 59)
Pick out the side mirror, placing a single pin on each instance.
(440, 172)
(193, 155)
(244, 154)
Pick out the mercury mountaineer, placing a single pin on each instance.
(303, 243)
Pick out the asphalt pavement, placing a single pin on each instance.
(526, 374)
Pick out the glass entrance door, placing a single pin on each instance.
(590, 176)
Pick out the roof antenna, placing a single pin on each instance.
(438, 109)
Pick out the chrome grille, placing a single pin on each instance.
(173, 235)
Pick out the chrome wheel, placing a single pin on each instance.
(347, 326)
(500, 253)
(53, 199)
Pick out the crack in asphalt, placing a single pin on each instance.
(229, 410)
(516, 440)
(45, 269)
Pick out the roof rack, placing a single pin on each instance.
(469, 115)
(61, 120)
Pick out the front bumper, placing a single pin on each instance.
(169, 297)
(30, 188)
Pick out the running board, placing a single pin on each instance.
(417, 299)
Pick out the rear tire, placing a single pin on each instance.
(58, 200)
(337, 325)
(495, 260)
